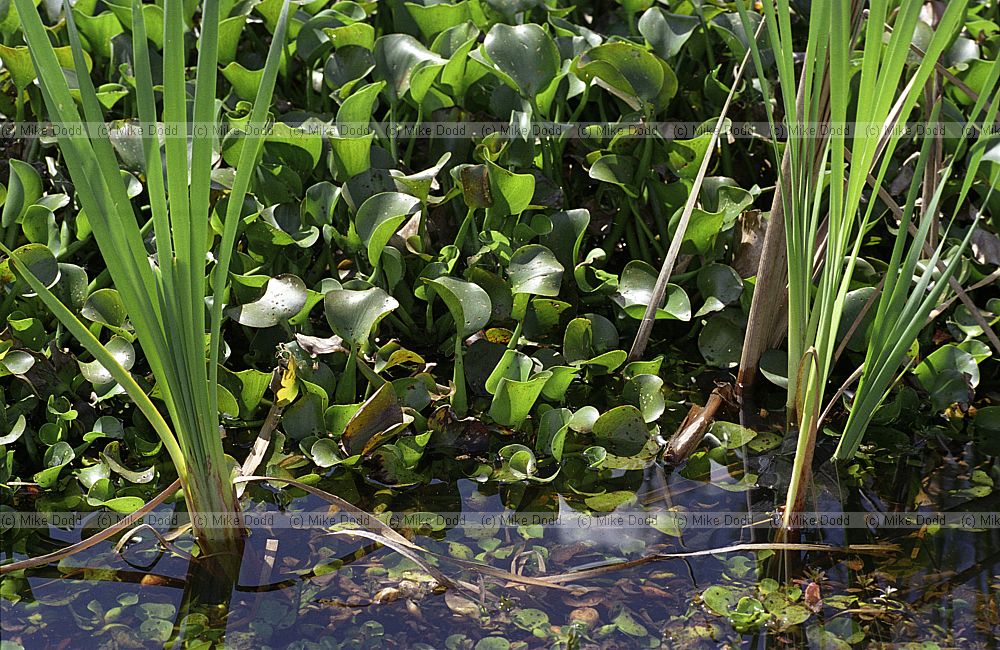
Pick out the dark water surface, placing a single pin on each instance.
(303, 588)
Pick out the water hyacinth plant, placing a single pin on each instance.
(168, 297)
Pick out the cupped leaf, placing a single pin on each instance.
(17, 60)
(105, 306)
(283, 297)
(468, 303)
(643, 80)
(635, 291)
(41, 263)
(406, 65)
(534, 269)
(434, 18)
(122, 351)
(379, 217)
(666, 33)
(646, 393)
(377, 419)
(721, 341)
(514, 399)
(525, 55)
(622, 431)
(353, 314)
(719, 285)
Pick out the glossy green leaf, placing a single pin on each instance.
(283, 297)
(622, 431)
(635, 291)
(534, 269)
(525, 55)
(379, 217)
(354, 314)
(666, 33)
(468, 303)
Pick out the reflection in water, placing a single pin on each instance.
(299, 588)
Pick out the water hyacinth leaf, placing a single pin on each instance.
(353, 314)
(622, 431)
(635, 291)
(17, 60)
(98, 32)
(56, 457)
(592, 341)
(23, 189)
(41, 263)
(325, 453)
(305, 417)
(646, 392)
(283, 297)
(419, 184)
(474, 181)
(379, 217)
(17, 362)
(719, 599)
(510, 193)
(20, 426)
(312, 41)
(514, 399)
(88, 476)
(644, 81)
(518, 463)
(346, 67)
(719, 285)
(401, 59)
(566, 236)
(629, 625)
(432, 19)
(105, 306)
(106, 426)
(525, 55)
(72, 286)
(552, 429)
(123, 353)
(534, 269)
(514, 365)
(949, 374)
(557, 385)
(583, 419)
(468, 303)
(245, 82)
(281, 225)
(354, 35)
(854, 302)
(112, 457)
(666, 33)
(617, 170)
(356, 111)
(721, 342)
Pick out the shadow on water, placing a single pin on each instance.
(306, 587)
